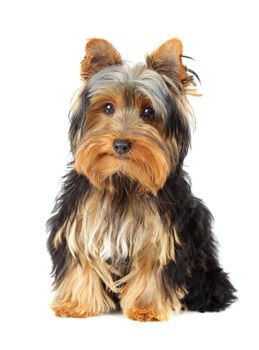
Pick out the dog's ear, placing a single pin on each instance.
(167, 61)
(99, 54)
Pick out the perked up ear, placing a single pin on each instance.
(99, 55)
(167, 61)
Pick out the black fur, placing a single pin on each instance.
(78, 119)
(175, 126)
(74, 188)
(196, 267)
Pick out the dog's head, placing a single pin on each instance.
(131, 122)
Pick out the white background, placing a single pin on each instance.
(41, 46)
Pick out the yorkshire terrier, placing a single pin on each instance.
(126, 231)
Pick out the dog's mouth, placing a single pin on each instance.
(121, 157)
(119, 165)
(143, 165)
(135, 175)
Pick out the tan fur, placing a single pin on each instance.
(81, 294)
(89, 237)
(170, 51)
(144, 314)
(143, 288)
(148, 162)
(99, 55)
(92, 234)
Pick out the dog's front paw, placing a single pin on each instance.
(70, 310)
(145, 314)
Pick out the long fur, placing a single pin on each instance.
(127, 231)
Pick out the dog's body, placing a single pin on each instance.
(126, 228)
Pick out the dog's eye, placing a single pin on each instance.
(109, 108)
(148, 113)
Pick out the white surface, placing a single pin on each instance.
(42, 44)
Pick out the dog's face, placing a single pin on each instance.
(131, 122)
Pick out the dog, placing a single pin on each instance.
(126, 231)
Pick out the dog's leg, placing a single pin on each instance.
(81, 293)
(142, 298)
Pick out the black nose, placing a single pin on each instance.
(121, 146)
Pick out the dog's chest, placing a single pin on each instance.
(120, 232)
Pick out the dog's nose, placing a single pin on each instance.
(121, 146)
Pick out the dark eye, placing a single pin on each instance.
(148, 113)
(109, 108)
